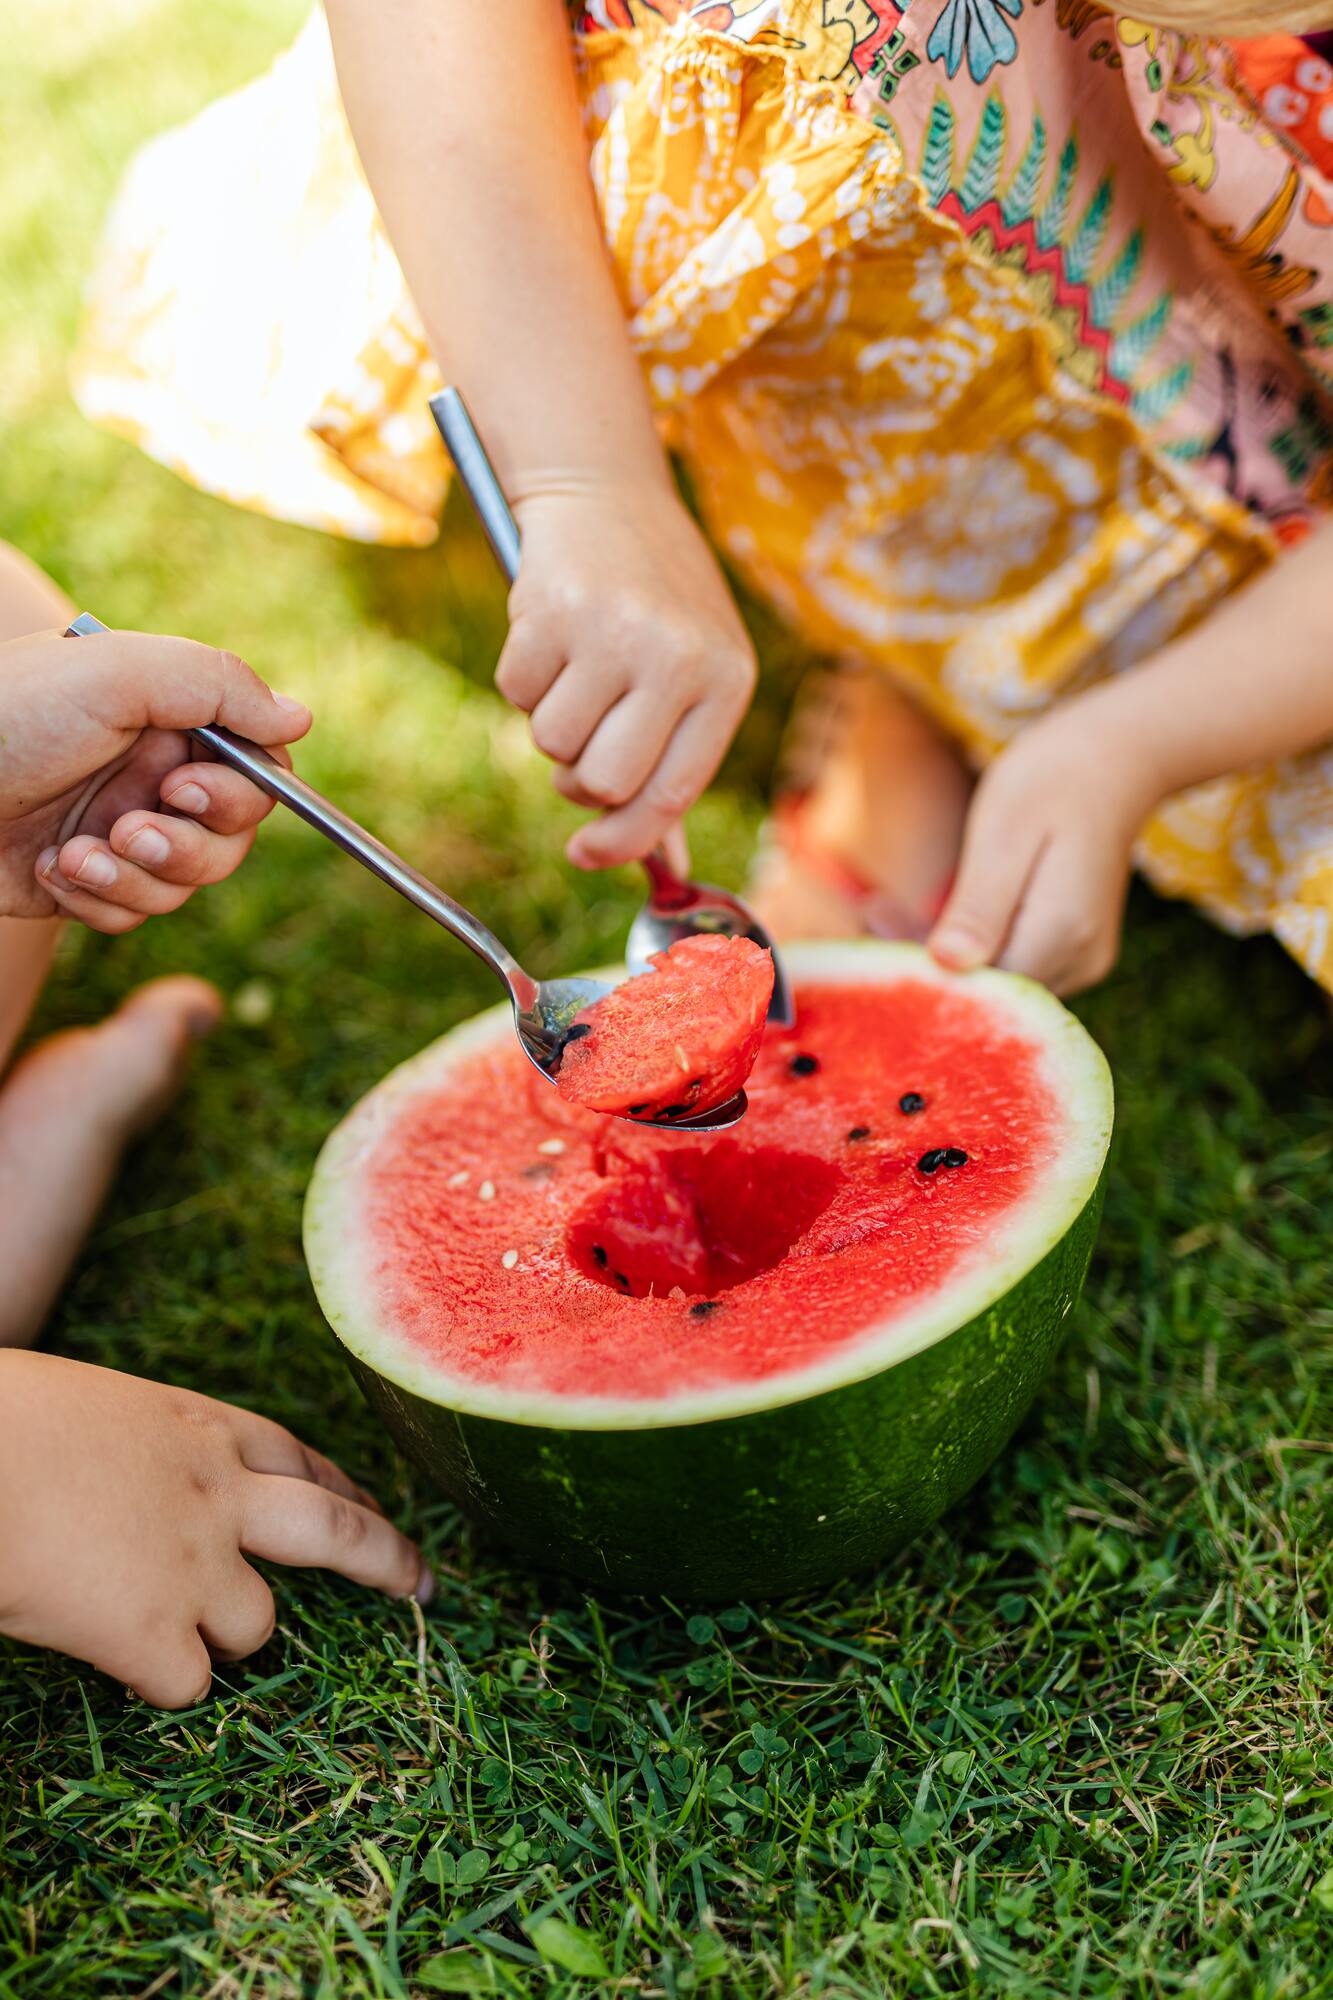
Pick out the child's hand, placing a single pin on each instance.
(1041, 883)
(629, 654)
(127, 1511)
(92, 748)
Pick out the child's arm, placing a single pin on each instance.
(1046, 855)
(625, 645)
(127, 1512)
(107, 814)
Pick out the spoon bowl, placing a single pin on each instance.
(679, 909)
(543, 1029)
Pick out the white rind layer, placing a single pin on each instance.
(1074, 1066)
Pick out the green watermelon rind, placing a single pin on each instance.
(344, 1281)
(773, 1486)
(779, 1500)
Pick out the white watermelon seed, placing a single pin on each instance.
(460, 1179)
(551, 1146)
(509, 1259)
(486, 1192)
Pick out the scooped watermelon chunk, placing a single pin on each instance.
(681, 1038)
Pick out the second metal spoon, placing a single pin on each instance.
(675, 909)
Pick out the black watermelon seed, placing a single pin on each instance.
(910, 1101)
(803, 1065)
(600, 1256)
(859, 1132)
(930, 1162)
(540, 1170)
(637, 1110)
(674, 1110)
(703, 1307)
(954, 1156)
(621, 1280)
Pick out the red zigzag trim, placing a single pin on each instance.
(1067, 293)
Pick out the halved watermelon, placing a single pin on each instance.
(727, 1366)
(680, 1038)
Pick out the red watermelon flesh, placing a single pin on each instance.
(681, 1038)
(527, 1249)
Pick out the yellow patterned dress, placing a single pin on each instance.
(997, 334)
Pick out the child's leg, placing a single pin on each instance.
(868, 833)
(69, 1107)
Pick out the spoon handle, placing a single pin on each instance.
(477, 476)
(274, 778)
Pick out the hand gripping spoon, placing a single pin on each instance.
(544, 1009)
(675, 909)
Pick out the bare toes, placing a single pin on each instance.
(149, 1038)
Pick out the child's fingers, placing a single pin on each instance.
(1067, 927)
(173, 1672)
(529, 662)
(240, 1615)
(171, 850)
(269, 1447)
(999, 854)
(291, 1521)
(88, 866)
(215, 797)
(625, 747)
(565, 780)
(134, 680)
(568, 713)
(687, 764)
(677, 846)
(82, 904)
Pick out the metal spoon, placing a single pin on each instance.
(543, 1009)
(678, 909)
(675, 909)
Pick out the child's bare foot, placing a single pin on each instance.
(868, 835)
(67, 1112)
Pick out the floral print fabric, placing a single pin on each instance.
(997, 334)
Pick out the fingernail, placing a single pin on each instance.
(425, 1589)
(189, 799)
(97, 871)
(958, 949)
(48, 872)
(288, 702)
(148, 846)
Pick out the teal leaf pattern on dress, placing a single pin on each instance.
(1118, 280)
(937, 157)
(1134, 343)
(1020, 196)
(1051, 220)
(983, 163)
(1085, 244)
(1156, 399)
(978, 30)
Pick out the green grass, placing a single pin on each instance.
(1075, 1744)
